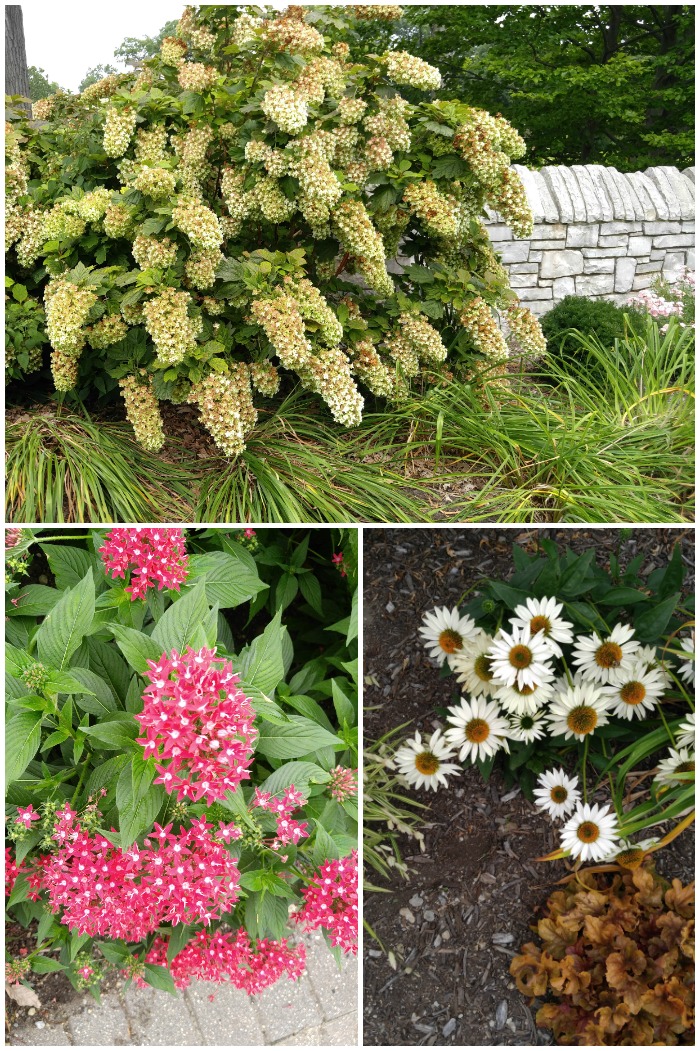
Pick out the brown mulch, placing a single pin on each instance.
(456, 923)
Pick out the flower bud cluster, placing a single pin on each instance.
(104, 88)
(213, 306)
(377, 12)
(62, 222)
(202, 39)
(283, 325)
(173, 51)
(119, 127)
(314, 307)
(94, 204)
(379, 154)
(107, 331)
(286, 108)
(363, 241)
(320, 188)
(225, 403)
(391, 225)
(201, 267)
(170, 327)
(132, 313)
(198, 223)
(158, 252)
(327, 372)
(358, 172)
(351, 110)
(67, 309)
(292, 34)
(142, 410)
(143, 82)
(267, 197)
(32, 238)
(118, 221)
(264, 377)
(151, 143)
(237, 200)
(510, 200)
(371, 370)
(244, 30)
(154, 182)
(346, 139)
(437, 212)
(481, 325)
(192, 147)
(195, 76)
(320, 77)
(42, 109)
(389, 126)
(526, 329)
(402, 68)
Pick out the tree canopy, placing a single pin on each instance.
(609, 84)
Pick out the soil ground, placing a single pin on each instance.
(455, 924)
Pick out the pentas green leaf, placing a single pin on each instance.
(176, 628)
(64, 628)
(22, 739)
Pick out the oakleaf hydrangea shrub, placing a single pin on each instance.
(253, 207)
(181, 753)
(571, 677)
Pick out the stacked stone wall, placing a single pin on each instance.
(598, 232)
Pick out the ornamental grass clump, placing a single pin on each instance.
(614, 961)
(182, 804)
(205, 218)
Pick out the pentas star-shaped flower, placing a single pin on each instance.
(25, 816)
(331, 902)
(288, 831)
(156, 558)
(198, 724)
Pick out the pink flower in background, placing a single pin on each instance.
(13, 537)
(198, 724)
(227, 956)
(337, 561)
(183, 877)
(156, 557)
(342, 783)
(288, 831)
(249, 533)
(331, 902)
(25, 816)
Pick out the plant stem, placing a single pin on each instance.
(83, 772)
(583, 770)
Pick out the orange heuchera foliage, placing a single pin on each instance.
(616, 959)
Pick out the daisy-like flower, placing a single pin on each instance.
(648, 656)
(558, 794)
(445, 633)
(543, 614)
(578, 711)
(521, 658)
(527, 727)
(687, 667)
(636, 694)
(630, 855)
(687, 733)
(679, 761)
(473, 667)
(591, 834)
(424, 764)
(607, 660)
(478, 728)
(527, 700)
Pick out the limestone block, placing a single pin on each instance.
(633, 207)
(559, 191)
(543, 246)
(690, 259)
(550, 211)
(659, 201)
(563, 286)
(491, 215)
(662, 228)
(581, 235)
(621, 228)
(514, 252)
(522, 280)
(658, 253)
(523, 268)
(613, 240)
(674, 264)
(610, 183)
(599, 266)
(642, 281)
(647, 205)
(535, 255)
(606, 205)
(689, 174)
(499, 232)
(624, 274)
(530, 294)
(594, 208)
(650, 268)
(577, 199)
(563, 263)
(540, 306)
(532, 190)
(602, 253)
(639, 246)
(595, 285)
(660, 179)
(548, 232)
(674, 241)
(683, 189)
(688, 228)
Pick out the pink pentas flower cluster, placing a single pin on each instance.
(219, 956)
(343, 783)
(155, 557)
(330, 901)
(176, 877)
(33, 872)
(198, 724)
(288, 830)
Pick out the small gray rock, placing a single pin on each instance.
(501, 1014)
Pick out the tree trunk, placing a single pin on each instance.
(16, 75)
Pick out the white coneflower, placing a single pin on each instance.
(478, 729)
(445, 633)
(679, 761)
(630, 855)
(527, 727)
(591, 834)
(527, 700)
(473, 667)
(578, 711)
(686, 669)
(607, 659)
(558, 794)
(424, 765)
(637, 693)
(519, 658)
(543, 614)
(687, 733)
(648, 656)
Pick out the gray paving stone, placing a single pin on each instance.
(341, 1033)
(230, 1019)
(313, 1037)
(336, 989)
(158, 1019)
(30, 1036)
(101, 1025)
(286, 1008)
